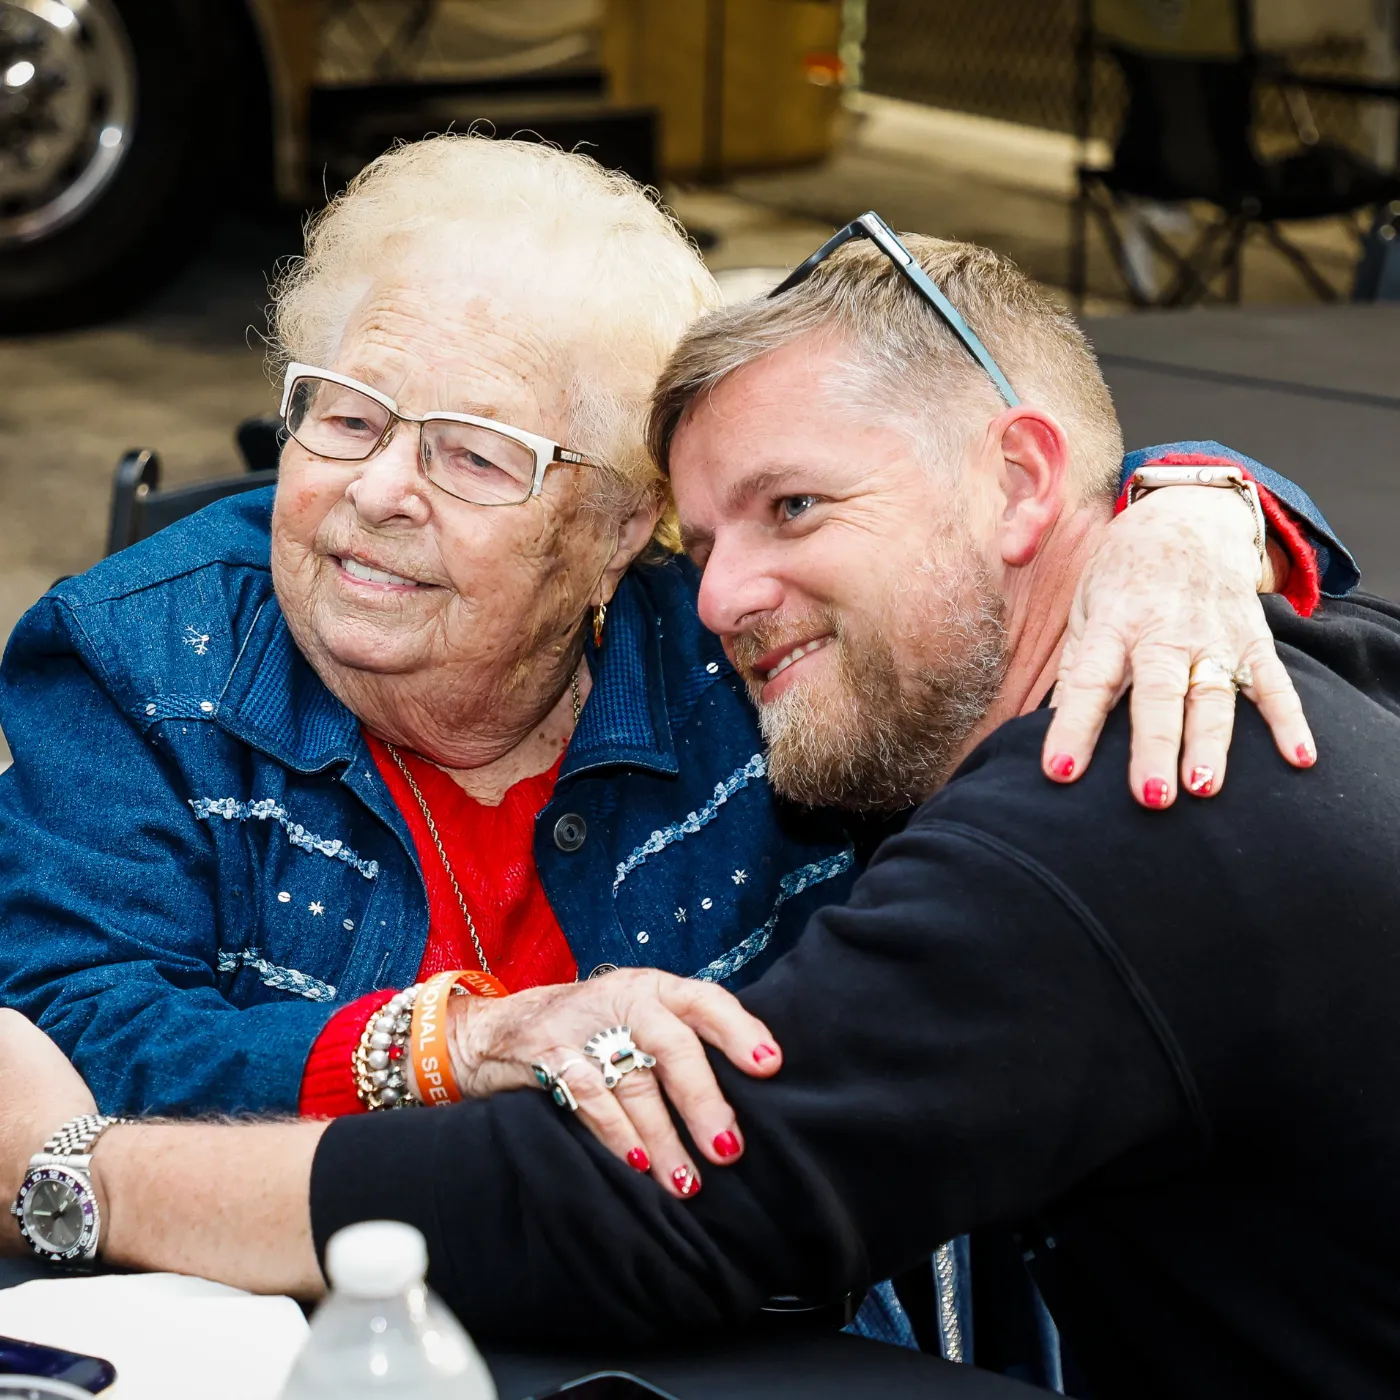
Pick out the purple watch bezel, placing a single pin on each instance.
(85, 1245)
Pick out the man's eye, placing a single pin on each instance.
(790, 507)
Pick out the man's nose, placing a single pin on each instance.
(736, 589)
(391, 486)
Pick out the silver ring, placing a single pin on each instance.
(553, 1083)
(1210, 670)
(617, 1054)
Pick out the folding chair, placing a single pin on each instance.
(1191, 73)
(140, 507)
(1378, 272)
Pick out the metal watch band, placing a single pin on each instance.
(78, 1136)
(1148, 479)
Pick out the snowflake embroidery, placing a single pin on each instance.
(197, 641)
(680, 915)
(739, 876)
(316, 907)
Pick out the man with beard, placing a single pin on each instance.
(1157, 1043)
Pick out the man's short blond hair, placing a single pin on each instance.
(904, 368)
(604, 275)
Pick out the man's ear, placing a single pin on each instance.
(1033, 480)
(633, 535)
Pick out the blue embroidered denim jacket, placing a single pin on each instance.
(199, 860)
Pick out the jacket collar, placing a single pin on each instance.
(625, 720)
(275, 702)
(278, 704)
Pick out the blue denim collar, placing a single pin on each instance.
(275, 702)
(625, 720)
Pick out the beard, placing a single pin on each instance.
(873, 738)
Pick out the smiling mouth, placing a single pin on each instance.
(366, 574)
(796, 654)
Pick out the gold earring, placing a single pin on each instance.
(600, 614)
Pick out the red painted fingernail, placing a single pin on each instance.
(1306, 755)
(639, 1159)
(1201, 781)
(687, 1180)
(1154, 792)
(764, 1052)
(726, 1144)
(1062, 766)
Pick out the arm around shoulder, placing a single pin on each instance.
(959, 1048)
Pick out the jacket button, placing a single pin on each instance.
(570, 831)
(602, 970)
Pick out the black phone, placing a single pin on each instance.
(89, 1373)
(607, 1385)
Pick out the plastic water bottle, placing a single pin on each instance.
(381, 1333)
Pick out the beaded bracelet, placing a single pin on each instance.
(380, 1059)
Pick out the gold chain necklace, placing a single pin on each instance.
(437, 840)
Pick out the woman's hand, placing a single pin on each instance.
(1174, 584)
(42, 1092)
(494, 1043)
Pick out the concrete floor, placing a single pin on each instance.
(180, 374)
(177, 377)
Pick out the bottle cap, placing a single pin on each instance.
(376, 1259)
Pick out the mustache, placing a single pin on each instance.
(778, 633)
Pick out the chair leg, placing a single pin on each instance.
(1234, 261)
(1195, 269)
(1111, 236)
(1186, 277)
(1360, 230)
(1320, 286)
(1079, 249)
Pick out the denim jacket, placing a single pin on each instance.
(199, 860)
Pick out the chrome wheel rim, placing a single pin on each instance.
(67, 111)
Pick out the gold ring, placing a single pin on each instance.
(1211, 671)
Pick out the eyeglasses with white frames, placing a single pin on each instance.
(476, 460)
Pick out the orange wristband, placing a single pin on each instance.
(427, 1036)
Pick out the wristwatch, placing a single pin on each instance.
(57, 1206)
(1147, 479)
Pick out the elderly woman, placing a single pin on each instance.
(442, 704)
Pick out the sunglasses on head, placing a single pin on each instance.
(873, 227)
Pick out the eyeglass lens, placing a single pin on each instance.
(472, 463)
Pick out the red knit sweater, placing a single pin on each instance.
(492, 854)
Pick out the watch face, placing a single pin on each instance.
(56, 1210)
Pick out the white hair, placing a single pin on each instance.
(610, 278)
